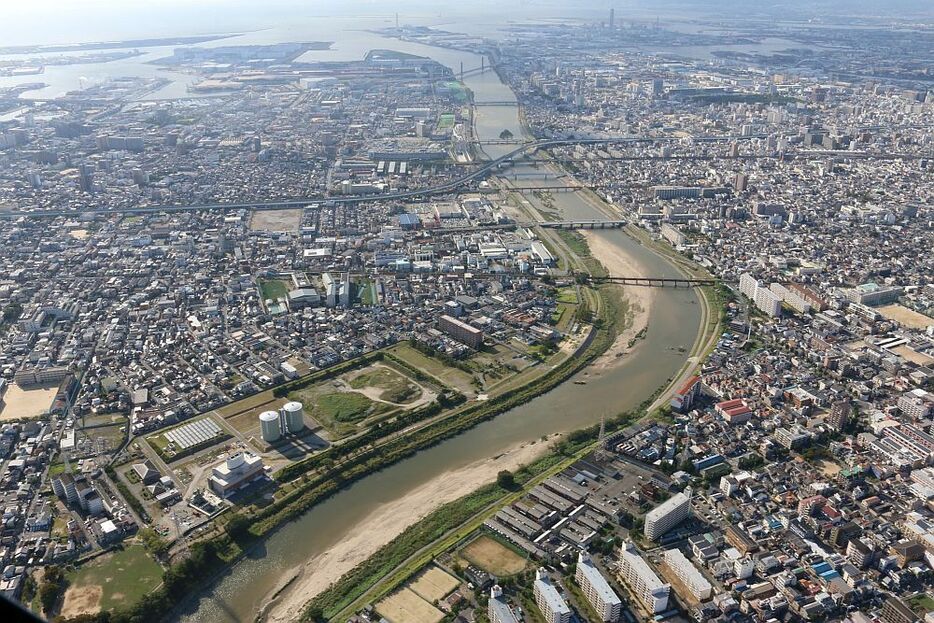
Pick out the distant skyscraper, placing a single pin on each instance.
(658, 87)
(612, 18)
(86, 178)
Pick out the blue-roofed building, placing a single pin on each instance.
(409, 221)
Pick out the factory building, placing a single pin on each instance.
(238, 471)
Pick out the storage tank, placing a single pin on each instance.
(269, 426)
(294, 415)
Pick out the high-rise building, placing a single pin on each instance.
(839, 415)
(667, 515)
(498, 610)
(894, 610)
(606, 603)
(641, 580)
(692, 579)
(86, 178)
(549, 601)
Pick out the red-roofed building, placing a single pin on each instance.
(686, 394)
(734, 411)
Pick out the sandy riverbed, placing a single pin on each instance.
(618, 262)
(387, 522)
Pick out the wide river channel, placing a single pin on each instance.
(674, 323)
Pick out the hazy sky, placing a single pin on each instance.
(61, 21)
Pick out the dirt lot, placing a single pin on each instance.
(493, 557)
(26, 403)
(276, 220)
(913, 356)
(905, 316)
(433, 584)
(405, 606)
(82, 600)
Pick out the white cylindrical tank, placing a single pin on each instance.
(269, 426)
(294, 417)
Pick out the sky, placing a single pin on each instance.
(67, 21)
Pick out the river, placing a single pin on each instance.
(612, 389)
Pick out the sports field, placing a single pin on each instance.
(492, 556)
(404, 606)
(112, 580)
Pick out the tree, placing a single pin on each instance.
(314, 614)
(53, 582)
(238, 527)
(506, 480)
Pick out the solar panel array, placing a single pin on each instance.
(193, 433)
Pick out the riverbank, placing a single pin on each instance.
(386, 523)
(640, 300)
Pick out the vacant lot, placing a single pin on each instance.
(907, 317)
(404, 606)
(395, 387)
(276, 220)
(453, 377)
(433, 584)
(492, 556)
(26, 403)
(110, 581)
(338, 410)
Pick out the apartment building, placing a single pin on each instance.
(606, 603)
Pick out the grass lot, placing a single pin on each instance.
(567, 295)
(273, 289)
(246, 404)
(396, 388)
(492, 556)
(452, 377)
(111, 580)
(921, 603)
(340, 412)
(366, 292)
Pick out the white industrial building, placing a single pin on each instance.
(641, 580)
(601, 596)
(236, 472)
(667, 515)
(552, 606)
(689, 576)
